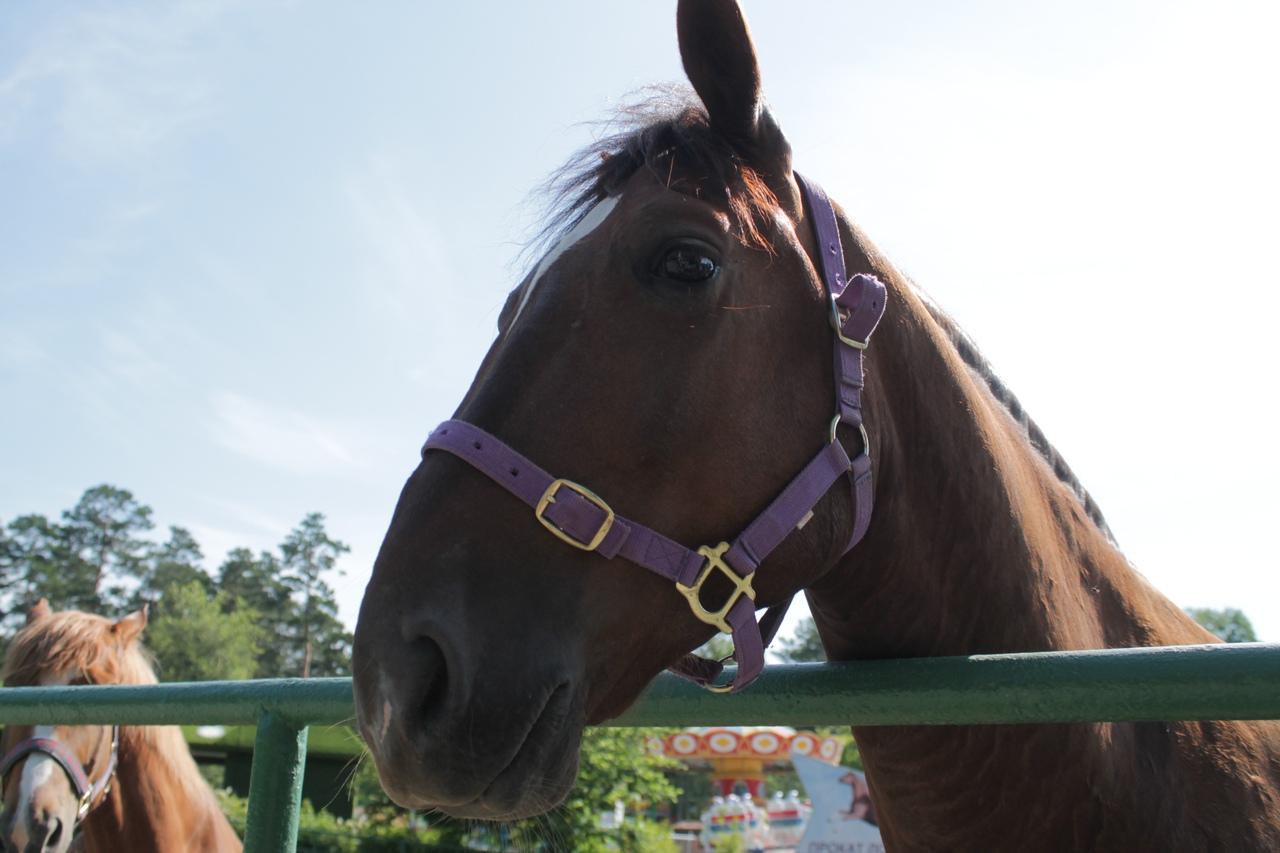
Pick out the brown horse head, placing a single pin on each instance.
(671, 352)
(40, 803)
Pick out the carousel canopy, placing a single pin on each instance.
(772, 744)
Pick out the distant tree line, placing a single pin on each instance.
(1229, 624)
(256, 616)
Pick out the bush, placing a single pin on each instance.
(645, 836)
(321, 832)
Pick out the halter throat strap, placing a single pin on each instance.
(581, 519)
(88, 794)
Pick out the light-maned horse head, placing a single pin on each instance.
(143, 789)
(673, 353)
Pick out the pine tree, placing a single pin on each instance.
(38, 561)
(322, 645)
(176, 563)
(11, 572)
(101, 535)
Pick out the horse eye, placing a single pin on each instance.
(686, 263)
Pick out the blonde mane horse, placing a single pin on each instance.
(156, 801)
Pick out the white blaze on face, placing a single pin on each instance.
(39, 768)
(36, 772)
(589, 223)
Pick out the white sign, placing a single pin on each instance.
(843, 819)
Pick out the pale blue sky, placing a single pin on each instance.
(250, 252)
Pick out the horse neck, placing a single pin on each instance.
(975, 546)
(158, 801)
(975, 543)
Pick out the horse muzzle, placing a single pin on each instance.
(40, 827)
(494, 738)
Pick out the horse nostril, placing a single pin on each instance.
(55, 834)
(429, 662)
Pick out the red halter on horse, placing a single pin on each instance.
(673, 354)
(89, 793)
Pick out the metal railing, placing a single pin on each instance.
(1211, 682)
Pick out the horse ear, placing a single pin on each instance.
(39, 610)
(128, 629)
(720, 61)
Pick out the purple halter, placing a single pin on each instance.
(581, 519)
(88, 794)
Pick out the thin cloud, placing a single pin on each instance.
(401, 248)
(405, 271)
(281, 438)
(250, 516)
(116, 82)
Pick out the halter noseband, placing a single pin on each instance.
(88, 794)
(578, 517)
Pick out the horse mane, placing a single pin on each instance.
(69, 647)
(666, 130)
(981, 367)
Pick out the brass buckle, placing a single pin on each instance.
(837, 323)
(741, 587)
(549, 497)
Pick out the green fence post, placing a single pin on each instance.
(275, 785)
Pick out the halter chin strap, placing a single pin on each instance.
(581, 519)
(88, 794)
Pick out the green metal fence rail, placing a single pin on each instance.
(1211, 682)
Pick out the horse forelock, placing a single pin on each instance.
(981, 367)
(70, 645)
(665, 130)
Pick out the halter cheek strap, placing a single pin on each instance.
(581, 519)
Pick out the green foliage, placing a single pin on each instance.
(730, 843)
(851, 756)
(719, 647)
(369, 797)
(255, 583)
(99, 558)
(39, 561)
(615, 766)
(1230, 623)
(194, 639)
(321, 832)
(803, 646)
(646, 836)
(9, 556)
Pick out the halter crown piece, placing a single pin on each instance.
(581, 519)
